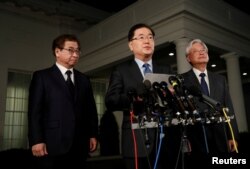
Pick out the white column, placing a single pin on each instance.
(182, 63)
(119, 116)
(236, 90)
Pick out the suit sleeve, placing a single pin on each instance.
(228, 103)
(92, 112)
(35, 106)
(116, 98)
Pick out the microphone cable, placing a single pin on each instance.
(160, 143)
(205, 137)
(230, 127)
(134, 139)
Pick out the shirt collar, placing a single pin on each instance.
(63, 69)
(140, 63)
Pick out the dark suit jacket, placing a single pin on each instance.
(57, 119)
(217, 134)
(123, 78)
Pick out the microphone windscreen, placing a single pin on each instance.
(141, 89)
(164, 85)
(147, 84)
(173, 80)
(156, 85)
(180, 78)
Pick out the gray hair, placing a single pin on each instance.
(191, 43)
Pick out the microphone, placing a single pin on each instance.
(154, 97)
(188, 97)
(194, 90)
(178, 84)
(191, 105)
(175, 82)
(167, 93)
(144, 92)
(179, 96)
(172, 100)
(180, 78)
(162, 101)
(141, 90)
(131, 93)
(147, 84)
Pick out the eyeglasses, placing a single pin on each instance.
(142, 38)
(200, 51)
(72, 51)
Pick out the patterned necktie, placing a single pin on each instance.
(147, 68)
(69, 82)
(204, 84)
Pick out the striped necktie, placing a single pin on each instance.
(147, 68)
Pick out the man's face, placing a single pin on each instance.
(142, 44)
(69, 55)
(198, 55)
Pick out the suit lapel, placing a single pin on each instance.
(135, 72)
(60, 79)
(212, 84)
(193, 79)
(57, 74)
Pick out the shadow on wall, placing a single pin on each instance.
(109, 135)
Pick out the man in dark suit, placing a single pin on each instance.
(62, 119)
(214, 138)
(127, 78)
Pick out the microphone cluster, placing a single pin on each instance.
(175, 104)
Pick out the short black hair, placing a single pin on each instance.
(59, 41)
(132, 30)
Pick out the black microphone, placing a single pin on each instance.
(170, 98)
(143, 88)
(194, 90)
(180, 79)
(188, 97)
(147, 84)
(174, 81)
(151, 97)
(191, 104)
(131, 93)
(167, 93)
(179, 94)
(161, 101)
(144, 92)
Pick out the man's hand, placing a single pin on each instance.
(232, 146)
(93, 144)
(39, 150)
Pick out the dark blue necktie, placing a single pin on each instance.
(69, 82)
(204, 84)
(147, 68)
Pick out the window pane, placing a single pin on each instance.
(15, 122)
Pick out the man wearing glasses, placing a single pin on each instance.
(62, 116)
(127, 76)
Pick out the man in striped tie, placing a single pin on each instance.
(129, 75)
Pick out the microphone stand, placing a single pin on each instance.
(203, 120)
(184, 144)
